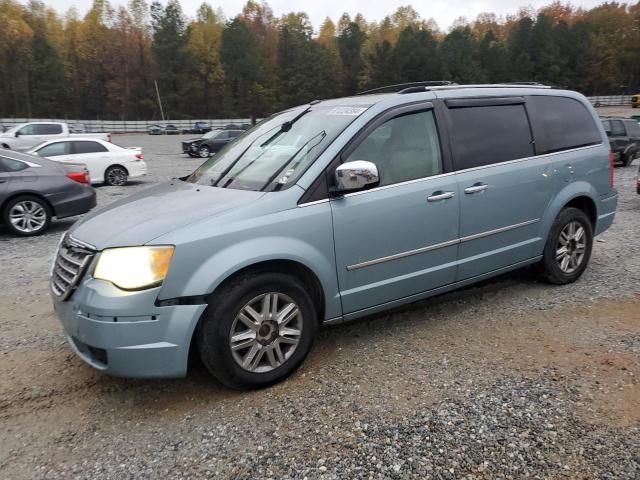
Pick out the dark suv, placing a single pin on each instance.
(211, 142)
(624, 137)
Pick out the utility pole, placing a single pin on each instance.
(159, 101)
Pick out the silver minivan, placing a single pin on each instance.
(328, 212)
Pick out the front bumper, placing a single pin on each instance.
(124, 333)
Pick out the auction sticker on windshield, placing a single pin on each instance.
(353, 111)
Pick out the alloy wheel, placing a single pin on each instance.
(266, 332)
(116, 177)
(28, 216)
(204, 152)
(571, 247)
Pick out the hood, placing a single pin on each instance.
(146, 215)
(194, 140)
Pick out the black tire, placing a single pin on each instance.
(204, 151)
(549, 267)
(627, 159)
(44, 219)
(116, 176)
(214, 332)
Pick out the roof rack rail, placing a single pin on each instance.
(401, 87)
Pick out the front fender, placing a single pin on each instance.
(234, 258)
(209, 253)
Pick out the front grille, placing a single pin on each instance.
(72, 260)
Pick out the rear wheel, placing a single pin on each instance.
(27, 216)
(568, 247)
(627, 159)
(257, 330)
(116, 176)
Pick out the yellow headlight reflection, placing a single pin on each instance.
(133, 268)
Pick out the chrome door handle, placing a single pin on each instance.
(438, 196)
(477, 188)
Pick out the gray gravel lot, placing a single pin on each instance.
(507, 379)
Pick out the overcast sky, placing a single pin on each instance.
(443, 11)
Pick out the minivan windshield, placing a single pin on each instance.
(274, 153)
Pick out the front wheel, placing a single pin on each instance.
(568, 247)
(257, 330)
(204, 152)
(116, 176)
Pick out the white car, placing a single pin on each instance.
(107, 163)
(27, 135)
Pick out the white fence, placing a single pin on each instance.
(115, 126)
(610, 100)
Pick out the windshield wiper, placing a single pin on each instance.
(234, 162)
(322, 134)
(286, 126)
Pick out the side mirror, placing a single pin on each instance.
(355, 175)
(17, 134)
(608, 132)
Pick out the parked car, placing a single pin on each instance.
(27, 135)
(155, 130)
(171, 130)
(624, 137)
(329, 212)
(199, 128)
(34, 190)
(210, 143)
(635, 101)
(107, 163)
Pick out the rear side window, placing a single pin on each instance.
(617, 128)
(484, 135)
(47, 129)
(10, 165)
(633, 128)
(562, 123)
(54, 149)
(87, 147)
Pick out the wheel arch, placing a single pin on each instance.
(581, 195)
(287, 266)
(291, 267)
(30, 194)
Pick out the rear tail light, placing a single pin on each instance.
(138, 156)
(612, 159)
(80, 177)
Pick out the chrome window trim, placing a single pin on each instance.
(441, 175)
(436, 246)
(315, 202)
(400, 184)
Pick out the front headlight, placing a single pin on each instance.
(134, 268)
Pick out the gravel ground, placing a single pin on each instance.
(507, 379)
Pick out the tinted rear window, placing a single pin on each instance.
(563, 123)
(88, 147)
(485, 135)
(633, 128)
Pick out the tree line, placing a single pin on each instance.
(104, 64)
